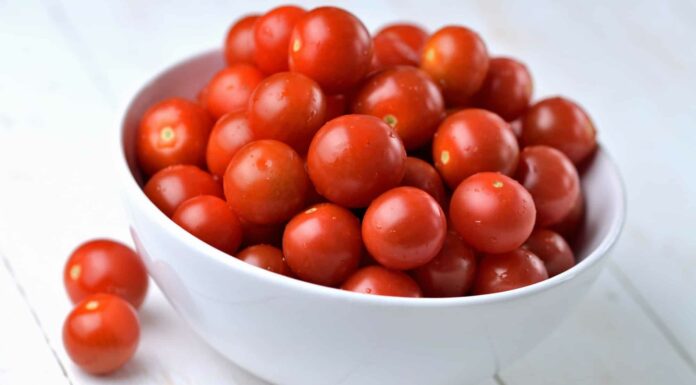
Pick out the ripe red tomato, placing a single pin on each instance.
(354, 158)
(173, 131)
(211, 220)
(335, 106)
(457, 59)
(404, 228)
(272, 37)
(171, 186)
(101, 333)
(507, 89)
(451, 273)
(288, 107)
(512, 270)
(552, 249)
(331, 46)
(569, 226)
(406, 99)
(322, 244)
(230, 133)
(105, 266)
(266, 182)
(552, 180)
(266, 257)
(230, 89)
(239, 43)
(257, 234)
(560, 123)
(472, 141)
(420, 174)
(398, 44)
(492, 212)
(377, 280)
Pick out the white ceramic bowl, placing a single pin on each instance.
(294, 333)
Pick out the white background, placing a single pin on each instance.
(68, 67)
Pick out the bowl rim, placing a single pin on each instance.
(132, 190)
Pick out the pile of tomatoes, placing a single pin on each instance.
(403, 164)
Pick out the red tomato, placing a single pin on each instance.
(331, 46)
(230, 89)
(451, 273)
(173, 131)
(266, 182)
(560, 123)
(552, 249)
(211, 220)
(230, 133)
(492, 213)
(335, 106)
(322, 244)
(420, 174)
(105, 266)
(354, 158)
(552, 180)
(457, 59)
(404, 228)
(377, 280)
(257, 234)
(266, 257)
(272, 37)
(569, 226)
(171, 186)
(472, 141)
(406, 99)
(398, 44)
(288, 107)
(512, 270)
(239, 43)
(507, 89)
(101, 333)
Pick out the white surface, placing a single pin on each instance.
(65, 67)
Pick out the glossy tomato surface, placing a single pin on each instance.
(398, 44)
(173, 185)
(420, 174)
(354, 158)
(230, 133)
(272, 36)
(378, 280)
(101, 333)
(266, 257)
(239, 42)
(105, 266)
(211, 220)
(230, 89)
(507, 89)
(512, 270)
(323, 244)
(451, 273)
(552, 249)
(173, 131)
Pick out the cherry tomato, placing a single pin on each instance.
(266, 257)
(398, 44)
(257, 234)
(354, 158)
(230, 89)
(512, 270)
(406, 99)
(552, 249)
(171, 186)
(404, 228)
(266, 182)
(211, 220)
(173, 131)
(230, 133)
(492, 212)
(552, 180)
(101, 333)
(335, 106)
(322, 244)
(331, 46)
(569, 226)
(507, 89)
(288, 107)
(377, 280)
(457, 59)
(420, 174)
(560, 123)
(272, 37)
(239, 43)
(105, 266)
(472, 141)
(451, 273)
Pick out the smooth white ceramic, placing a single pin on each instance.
(294, 333)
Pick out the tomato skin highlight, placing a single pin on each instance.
(272, 37)
(230, 133)
(230, 89)
(211, 220)
(173, 185)
(512, 270)
(398, 44)
(239, 42)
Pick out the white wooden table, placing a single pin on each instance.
(67, 67)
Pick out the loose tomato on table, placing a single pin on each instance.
(266, 257)
(378, 280)
(420, 174)
(398, 44)
(230, 133)
(552, 249)
(512, 270)
(451, 273)
(230, 89)
(239, 42)
(105, 266)
(272, 36)
(173, 185)
(211, 220)
(507, 88)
